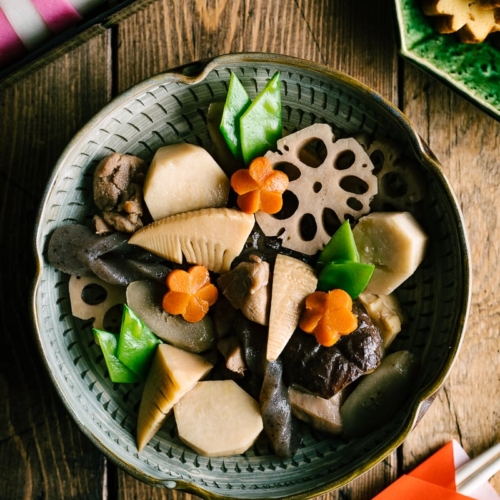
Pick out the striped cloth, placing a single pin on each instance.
(24, 24)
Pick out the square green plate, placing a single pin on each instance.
(473, 70)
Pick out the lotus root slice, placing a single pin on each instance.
(400, 183)
(339, 182)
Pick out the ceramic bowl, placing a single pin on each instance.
(172, 107)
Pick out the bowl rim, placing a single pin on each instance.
(195, 72)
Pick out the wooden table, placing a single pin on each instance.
(42, 452)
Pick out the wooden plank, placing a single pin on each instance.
(42, 452)
(467, 142)
(356, 38)
(29, 68)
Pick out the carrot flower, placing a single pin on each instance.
(329, 316)
(190, 293)
(259, 187)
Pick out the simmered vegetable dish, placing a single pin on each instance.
(255, 281)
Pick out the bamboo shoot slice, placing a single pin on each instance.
(293, 281)
(211, 237)
(173, 373)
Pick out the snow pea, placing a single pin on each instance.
(118, 372)
(260, 124)
(340, 247)
(136, 344)
(237, 102)
(351, 277)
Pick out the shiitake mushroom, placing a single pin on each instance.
(324, 371)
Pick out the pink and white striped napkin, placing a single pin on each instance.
(24, 24)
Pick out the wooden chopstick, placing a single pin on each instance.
(478, 470)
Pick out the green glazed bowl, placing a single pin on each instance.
(472, 70)
(172, 107)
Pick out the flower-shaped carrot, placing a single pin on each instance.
(259, 187)
(190, 293)
(328, 315)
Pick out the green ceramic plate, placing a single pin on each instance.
(170, 108)
(471, 69)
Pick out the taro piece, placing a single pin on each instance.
(217, 418)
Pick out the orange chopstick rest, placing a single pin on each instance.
(439, 468)
(412, 488)
(435, 479)
(190, 293)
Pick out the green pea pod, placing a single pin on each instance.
(237, 102)
(136, 344)
(351, 277)
(340, 247)
(118, 372)
(260, 124)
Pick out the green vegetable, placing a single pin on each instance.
(136, 344)
(260, 124)
(340, 247)
(118, 372)
(351, 277)
(237, 102)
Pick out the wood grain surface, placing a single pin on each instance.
(43, 455)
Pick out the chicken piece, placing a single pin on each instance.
(101, 226)
(118, 181)
(247, 288)
(386, 313)
(231, 349)
(322, 414)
